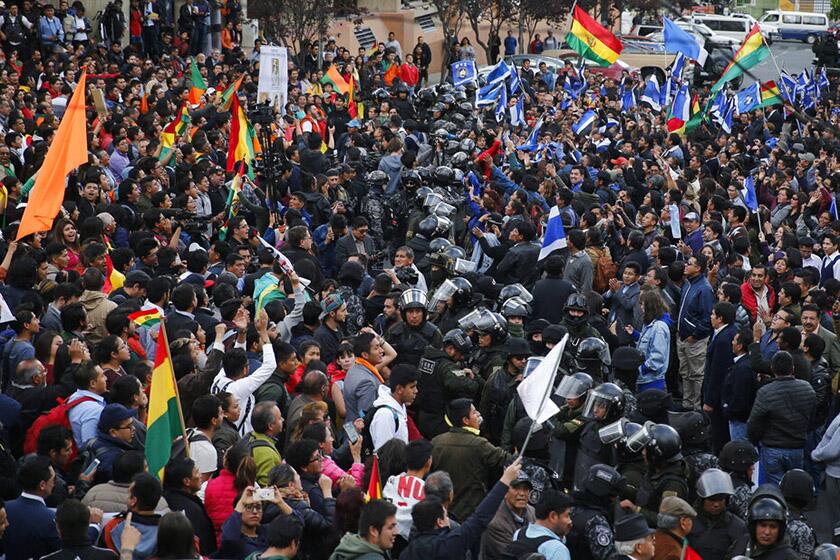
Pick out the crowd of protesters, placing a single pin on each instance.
(697, 391)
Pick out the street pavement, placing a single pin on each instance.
(791, 56)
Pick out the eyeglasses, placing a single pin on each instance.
(315, 458)
(129, 427)
(253, 507)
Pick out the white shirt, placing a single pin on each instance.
(205, 456)
(404, 491)
(390, 421)
(835, 270)
(244, 387)
(812, 261)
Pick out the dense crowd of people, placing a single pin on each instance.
(350, 317)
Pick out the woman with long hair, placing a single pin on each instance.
(46, 349)
(321, 433)
(64, 232)
(175, 538)
(654, 341)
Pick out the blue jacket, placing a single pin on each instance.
(107, 449)
(654, 344)
(32, 531)
(696, 302)
(718, 361)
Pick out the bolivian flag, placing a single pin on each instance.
(591, 40)
(230, 93)
(165, 422)
(243, 145)
(770, 94)
(753, 50)
(199, 86)
(146, 317)
(171, 132)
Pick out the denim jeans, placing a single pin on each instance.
(738, 431)
(775, 462)
(655, 384)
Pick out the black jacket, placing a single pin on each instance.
(306, 266)
(718, 360)
(550, 295)
(192, 507)
(519, 264)
(782, 413)
(738, 392)
(71, 550)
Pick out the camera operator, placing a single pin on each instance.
(405, 271)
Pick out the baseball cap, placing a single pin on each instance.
(330, 304)
(113, 414)
(355, 123)
(692, 216)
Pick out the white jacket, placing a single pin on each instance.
(389, 422)
(243, 388)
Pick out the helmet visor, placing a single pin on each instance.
(442, 294)
(523, 293)
(443, 209)
(571, 387)
(463, 266)
(597, 406)
(640, 439)
(468, 321)
(531, 365)
(612, 433)
(432, 199)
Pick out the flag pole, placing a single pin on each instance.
(778, 70)
(549, 387)
(175, 383)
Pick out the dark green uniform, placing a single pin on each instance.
(440, 381)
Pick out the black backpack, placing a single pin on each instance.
(367, 440)
(523, 546)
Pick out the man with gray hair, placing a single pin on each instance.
(674, 522)
(268, 423)
(29, 388)
(634, 540)
(439, 485)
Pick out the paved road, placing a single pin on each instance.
(791, 56)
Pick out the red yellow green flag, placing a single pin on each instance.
(199, 86)
(232, 207)
(374, 491)
(165, 422)
(171, 132)
(753, 50)
(592, 40)
(230, 93)
(243, 145)
(770, 94)
(146, 317)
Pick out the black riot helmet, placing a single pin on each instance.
(443, 175)
(692, 426)
(767, 509)
(459, 340)
(591, 350)
(798, 488)
(603, 481)
(463, 293)
(438, 244)
(605, 403)
(665, 445)
(714, 482)
(576, 302)
(826, 551)
(410, 179)
(377, 178)
(459, 160)
(738, 456)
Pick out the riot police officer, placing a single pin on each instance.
(411, 336)
(491, 332)
(693, 428)
(458, 304)
(604, 405)
(738, 458)
(373, 205)
(798, 490)
(576, 321)
(443, 378)
(666, 469)
(591, 537)
(767, 525)
(631, 461)
(500, 388)
(715, 529)
(593, 357)
(573, 389)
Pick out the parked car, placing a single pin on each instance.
(796, 26)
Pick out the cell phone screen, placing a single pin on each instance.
(351, 431)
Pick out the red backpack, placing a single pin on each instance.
(56, 416)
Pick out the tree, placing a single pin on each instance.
(449, 12)
(493, 12)
(834, 14)
(297, 24)
(532, 12)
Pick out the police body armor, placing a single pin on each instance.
(649, 495)
(740, 500)
(500, 394)
(591, 536)
(712, 537)
(410, 343)
(486, 359)
(591, 451)
(432, 396)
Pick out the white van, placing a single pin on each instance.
(798, 26)
(733, 27)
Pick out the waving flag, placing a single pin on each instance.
(788, 89)
(651, 94)
(822, 81)
(488, 95)
(770, 94)
(555, 236)
(172, 131)
(533, 140)
(534, 391)
(726, 121)
(515, 84)
(165, 421)
(696, 116)
(678, 66)
(591, 40)
(229, 93)
(147, 317)
(748, 192)
(674, 221)
(499, 73)
(680, 110)
(463, 72)
(336, 80)
(517, 114)
(198, 85)
(753, 50)
(628, 99)
(718, 105)
(374, 491)
(748, 98)
(501, 104)
(244, 144)
(677, 40)
(585, 122)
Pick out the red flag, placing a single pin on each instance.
(374, 491)
(691, 554)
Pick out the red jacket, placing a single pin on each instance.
(218, 500)
(409, 74)
(750, 301)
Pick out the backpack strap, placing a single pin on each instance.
(71, 405)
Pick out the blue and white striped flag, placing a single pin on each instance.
(555, 236)
(499, 73)
(585, 122)
(652, 94)
(628, 99)
(748, 192)
(517, 113)
(488, 95)
(501, 105)
(515, 84)
(533, 140)
(833, 207)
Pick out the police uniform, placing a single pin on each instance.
(712, 536)
(739, 503)
(373, 207)
(803, 540)
(591, 537)
(410, 343)
(698, 463)
(591, 450)
(497, 394)
(440, 381)
(667, 480)
(486, 359)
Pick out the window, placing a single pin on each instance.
(791, 19)
(770, 18)
(813, 20)
(737, 26)
(713, 24)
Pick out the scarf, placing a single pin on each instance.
(364, 363)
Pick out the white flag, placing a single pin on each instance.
(535, 389)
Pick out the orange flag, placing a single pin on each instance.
(374, 487)
(67, 152)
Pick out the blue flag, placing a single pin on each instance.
(488, 95)
(833, 207)
(651, 94)
(677, 40)
(517, 114)
(789, 87)
(628, 99)
(501, 105)
(748, 99)
(533, 140)
(463, 72)
(515, 84)
(726, 121)
(748, 192)
(585, 122)
(555, 236)
(499, 73)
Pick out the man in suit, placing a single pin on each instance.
(357, 242)
(739, 387)
(811, 325)
(623, 299)
(719, 360)
(182, 318)
(32, 531)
